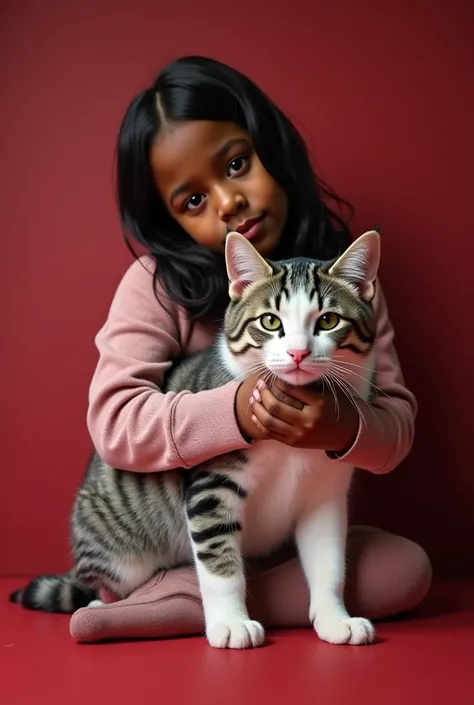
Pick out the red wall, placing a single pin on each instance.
(384, 96)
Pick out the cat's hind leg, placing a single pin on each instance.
(118, 575)
(214, 507)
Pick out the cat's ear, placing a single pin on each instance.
(244, 265)
(359, 264)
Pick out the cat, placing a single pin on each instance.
(126, 526)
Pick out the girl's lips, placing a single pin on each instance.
(251, 229)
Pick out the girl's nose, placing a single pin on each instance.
(228, 202)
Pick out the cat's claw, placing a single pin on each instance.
(236, 633)
(353, 630)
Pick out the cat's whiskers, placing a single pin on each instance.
(345, 388)
(352, 364)
(341, 369)
(337, 373)
(326, 378)
(251, 369)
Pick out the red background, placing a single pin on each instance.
(384, 97)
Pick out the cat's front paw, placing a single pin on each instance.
(235, 633)
(353, 630)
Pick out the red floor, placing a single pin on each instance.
(427, 660)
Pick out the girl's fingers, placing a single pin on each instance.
(286, 399)
(301, 394)
(257, 423)
(267, 423)
(277, 407)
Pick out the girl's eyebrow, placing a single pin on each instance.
(184, 188)
(228, 145)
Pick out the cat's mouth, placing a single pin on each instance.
(299, 378)
(299, 375)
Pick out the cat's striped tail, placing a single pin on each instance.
(54, 593)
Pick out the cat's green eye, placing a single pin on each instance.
(328, 321)
(270, 322)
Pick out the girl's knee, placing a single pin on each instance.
(408, 575)
(418, 573)
(388, 574)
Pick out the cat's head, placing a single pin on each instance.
(297, 318)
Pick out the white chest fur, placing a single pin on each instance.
(282, 482)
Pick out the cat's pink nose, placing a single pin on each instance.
(298, 355)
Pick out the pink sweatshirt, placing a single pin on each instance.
(134, 426)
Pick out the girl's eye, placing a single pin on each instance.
(328, 321)
(237, 165)
(194, 201)
(270, 322)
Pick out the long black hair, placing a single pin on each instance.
(198, 88)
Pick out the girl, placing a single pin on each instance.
(201, 152)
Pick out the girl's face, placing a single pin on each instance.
(212, 181)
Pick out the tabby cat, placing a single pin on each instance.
(126, 526)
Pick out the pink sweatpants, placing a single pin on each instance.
(386, 575)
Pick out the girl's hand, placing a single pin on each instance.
(244, 413)
(302, 418)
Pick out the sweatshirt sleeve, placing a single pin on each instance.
(133, 424)
(386, 436)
